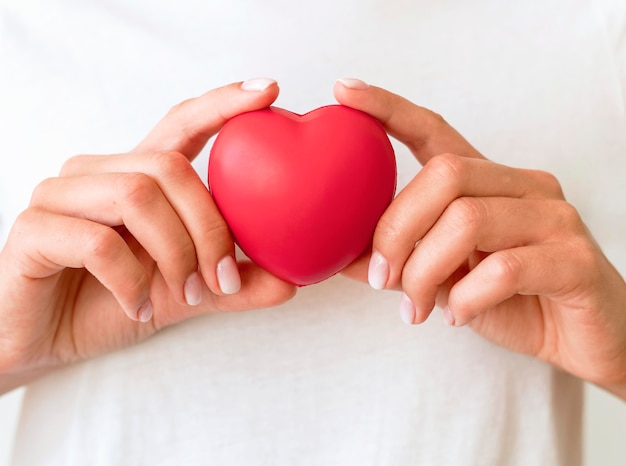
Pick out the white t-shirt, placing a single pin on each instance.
(333, 377)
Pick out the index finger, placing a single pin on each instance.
(423, 131)
(189, 125)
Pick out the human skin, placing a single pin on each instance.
(118, 247)
(497, 248)
(82, 257)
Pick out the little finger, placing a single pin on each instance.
(132, 200)
(44, 243)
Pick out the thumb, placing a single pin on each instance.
(189, 125)
(423, 131)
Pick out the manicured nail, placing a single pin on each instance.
(448, 316)
(228, 275)
(353, 83)
(378, 271)
(144, 313)
(257, 84)
(193, 289)
(407, 310)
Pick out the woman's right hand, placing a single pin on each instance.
(120, 246)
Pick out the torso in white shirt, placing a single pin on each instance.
(332, 377)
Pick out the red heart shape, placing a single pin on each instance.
(302, 194)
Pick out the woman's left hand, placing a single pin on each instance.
(497, 248)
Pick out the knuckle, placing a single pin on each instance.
(103, 242)
(390, 230)
(586, 253)
(73, 165)
(416, 281)
(182, 253)
(220, 99)
(41, 191)
(23, 242)
(188, 253)
(505, 267)
(179, 107)
(447, 167)
(466, 214)
(433, 123)
(436, 119)
(169, 162)
(105, 247)
(549, 183)
(136, 286)
(464, 311)
(217, 228)
(568, 218)
(196, 135)
(137, 189)
(25, 221)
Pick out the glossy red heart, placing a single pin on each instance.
(302, 194)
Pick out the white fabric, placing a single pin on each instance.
(333, 377)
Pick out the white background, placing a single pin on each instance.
(605, 427)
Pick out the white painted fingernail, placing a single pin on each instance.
(193, 289)
(407, 310)
(257, 84)
(144, 313)
(228, 275)
(353, 83)
(448, 317)
(378, 271)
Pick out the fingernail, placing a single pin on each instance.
(228, 275)
(407, 310)
(378, 271)
(144, 313)
(257, 84)
(448, 316)
(353, 83)
(193, 289)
